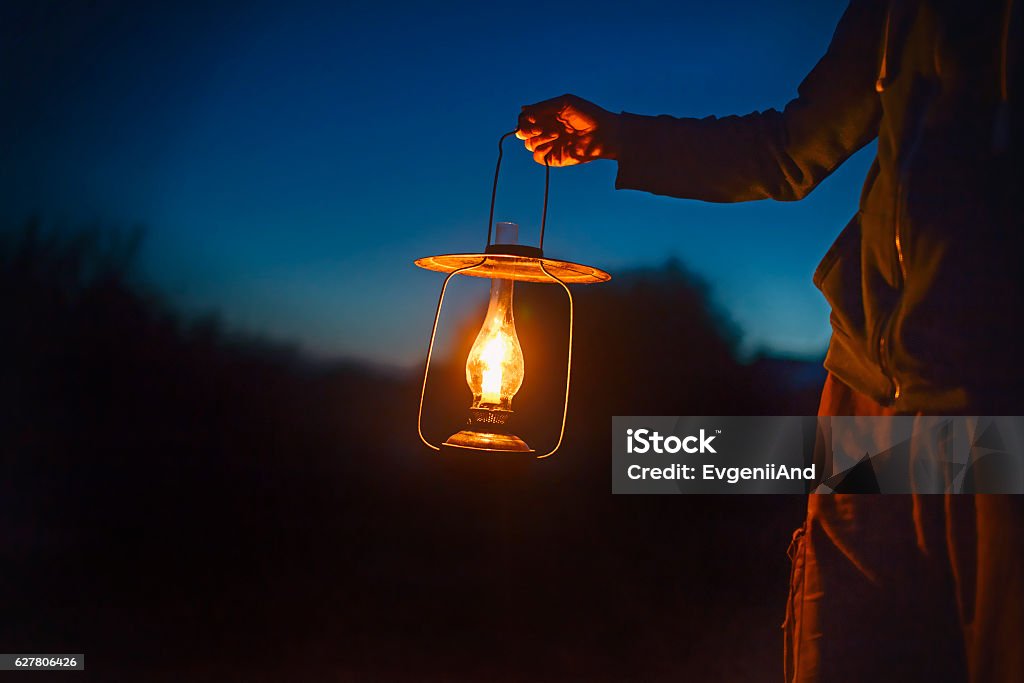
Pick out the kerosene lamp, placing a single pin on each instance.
(495, 368)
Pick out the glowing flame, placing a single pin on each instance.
(495, 368)
(495, 350)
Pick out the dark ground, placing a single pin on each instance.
(182, 504)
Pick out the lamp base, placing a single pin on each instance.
(490, 442)
(486, 432)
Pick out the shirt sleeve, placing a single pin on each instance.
(770, 154)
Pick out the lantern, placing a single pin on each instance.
(495, 369)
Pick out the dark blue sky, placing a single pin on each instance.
(290, 160)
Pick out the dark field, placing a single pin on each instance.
(181, 503)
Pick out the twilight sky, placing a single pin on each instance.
(290, 160)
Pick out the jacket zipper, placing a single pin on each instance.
(881, 85)
(885, 338)
(884, 342)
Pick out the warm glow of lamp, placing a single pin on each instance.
(495, 367)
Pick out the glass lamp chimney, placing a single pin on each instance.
(495, 368)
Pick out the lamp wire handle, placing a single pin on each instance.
(494, 193)
(568, 363)
(430, 350)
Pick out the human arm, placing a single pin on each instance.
(770, 154)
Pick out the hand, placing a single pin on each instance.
(568, 130)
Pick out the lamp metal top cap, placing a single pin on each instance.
(508, 266)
